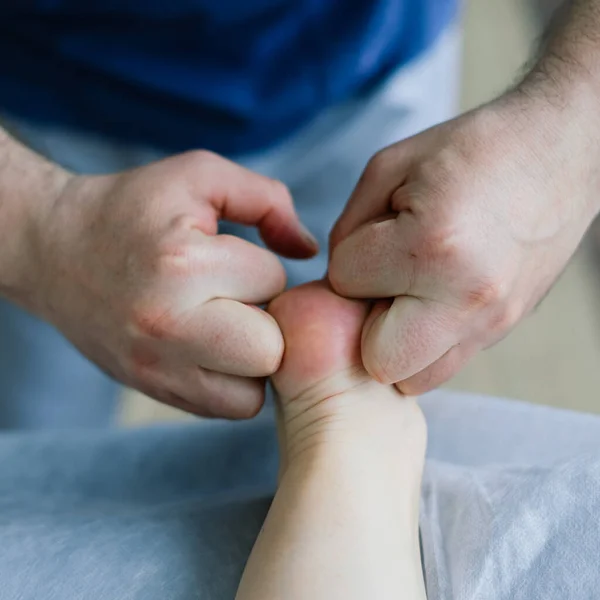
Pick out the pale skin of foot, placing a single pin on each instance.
(344, 521)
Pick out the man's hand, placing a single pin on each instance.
(461, 230)
(136, 276)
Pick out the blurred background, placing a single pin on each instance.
(554, 356)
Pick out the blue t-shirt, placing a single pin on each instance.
(228, 75)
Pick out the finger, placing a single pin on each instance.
(403, 340)
(220, 266)
(375, 261)
(238, 269)
(207, 393)
(371, 197)
(441, 371)
(233, 338)
(179, 403)
(242, 196)
(227, 396)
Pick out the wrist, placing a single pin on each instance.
(556, 141)
(29, 186)
(560, 94)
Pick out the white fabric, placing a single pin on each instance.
(510, 501)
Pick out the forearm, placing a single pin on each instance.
(567, 64)
(549, 122)
(28, 186)
(344, 521)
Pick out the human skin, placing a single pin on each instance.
(465, 227)
(461, 230)
(344, 521)
(130, 268)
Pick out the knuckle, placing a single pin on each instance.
(281, 191)
(439, 190)
(201, 156)
(194, 163)
(441, 182)
(428, 171)
(376, 166)
(154, 323)
(176, 262)
(142, 359)
(440, 243)
(181, 259)
(185, 223)
(485, 294)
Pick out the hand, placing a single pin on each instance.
(460, 231)
(137, 278)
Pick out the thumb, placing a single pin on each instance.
(242, 196)
(402, 339)
(372, 197)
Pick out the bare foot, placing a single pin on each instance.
(324, 391)
(322, 341)
(344, 521)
